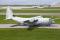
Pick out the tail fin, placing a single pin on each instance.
(9, 13)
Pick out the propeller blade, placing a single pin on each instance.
(53, 19)
(57, 18)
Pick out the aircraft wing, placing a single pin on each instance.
(32, 25)
(39, 16)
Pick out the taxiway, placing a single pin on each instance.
(56, 26)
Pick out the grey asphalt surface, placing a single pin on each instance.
(52, 14)
(56, 26)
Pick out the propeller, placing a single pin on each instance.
(57, 18)
(53, 19)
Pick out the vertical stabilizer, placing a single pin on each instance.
(9, 13)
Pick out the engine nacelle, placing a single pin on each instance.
(44, 21)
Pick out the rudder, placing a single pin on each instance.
(9, 13)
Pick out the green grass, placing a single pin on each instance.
(37, 11)
(52, 8)
(2, 10)
(33, 11)
(24, 34)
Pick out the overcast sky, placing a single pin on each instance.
(28, 2)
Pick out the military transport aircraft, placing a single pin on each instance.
(33, 21)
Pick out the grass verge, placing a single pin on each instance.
(23, 34)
